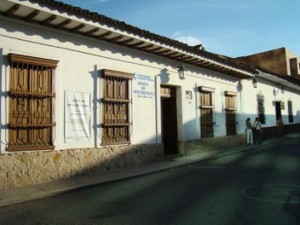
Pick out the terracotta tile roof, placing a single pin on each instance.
(96, 17)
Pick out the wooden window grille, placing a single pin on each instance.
(116, 107)
(230, 101)
(282, 105)
(230, 108)
(290, 111)
(261, 109)
(206, 113)
(167, 92)
(31, 94)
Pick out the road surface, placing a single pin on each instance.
(260, 186)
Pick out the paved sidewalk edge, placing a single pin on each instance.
(39, 191)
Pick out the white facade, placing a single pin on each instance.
(81, 58)
(163, 112)
(78, 71)
(270, 88)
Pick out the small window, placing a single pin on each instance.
(31, 96)
(115, 107)
(290, 111)
(230, 101)
(261, 108)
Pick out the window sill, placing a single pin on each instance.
(27, 148)
(115, 144)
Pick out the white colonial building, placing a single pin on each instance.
(81, 92)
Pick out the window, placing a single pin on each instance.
(116, 107)
(31, 95)
(230, 101)
(230, 108)
(290, 111)
(261, 108)
(206, 107)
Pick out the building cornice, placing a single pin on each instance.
(61, 16)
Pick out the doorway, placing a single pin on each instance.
(230, 107)
(230, 123)
(278, 110)
(169, 119)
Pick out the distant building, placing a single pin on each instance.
(279, 61)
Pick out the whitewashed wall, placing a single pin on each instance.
(80, 61)
(191, 111)
(271, 92)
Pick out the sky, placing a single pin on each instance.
(229, 27)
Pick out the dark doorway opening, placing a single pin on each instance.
(278, 110)
(169, 119)
(230, 123)
(230, 107)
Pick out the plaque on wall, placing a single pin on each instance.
(188, 95)
(77, 117)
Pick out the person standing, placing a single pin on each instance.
(279, 126)
(249, 133)
(257, 131)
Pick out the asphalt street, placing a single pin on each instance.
(260, 186)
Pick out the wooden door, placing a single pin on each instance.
(230, 123)
(207, 124)
(230, 108)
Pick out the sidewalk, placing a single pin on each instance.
(18, 195)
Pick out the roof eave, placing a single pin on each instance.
(65, 17)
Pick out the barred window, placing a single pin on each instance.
(261, 109)
(206, 109)
(116, 107)
(290, 111)
(230, 108)
(31, 95)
